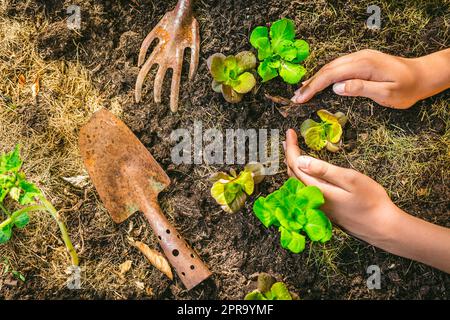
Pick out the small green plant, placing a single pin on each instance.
(294, 208)
(14, 185)
(231, 190)
(279, 52)
(233, 75)
(7, 269)
(324, 134)
(270, 289)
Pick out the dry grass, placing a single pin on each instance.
(48, 132)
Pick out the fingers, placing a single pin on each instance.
(195, 50)
(378, 91)
(329, 75)
(293, 153)
(159, 79)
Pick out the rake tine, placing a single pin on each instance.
(195, 50)
(142, 74)
(159, 79)
(176, 79)
(145, 45)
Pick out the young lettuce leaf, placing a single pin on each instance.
(270, 289)
(233, 75)
(326, 133)
(294, 208)
(231, 190)
(279, 52)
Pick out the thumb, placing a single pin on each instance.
(377, 91)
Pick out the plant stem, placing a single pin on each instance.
(17, 213)
(62, 227)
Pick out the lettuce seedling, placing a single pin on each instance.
(231, 190)
(294, 208)
(279, 52)
(14, 185)
(232, 75)
(270, 289)
(324, 134)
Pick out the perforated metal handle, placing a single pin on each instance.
(185, 261)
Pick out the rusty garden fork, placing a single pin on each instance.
(176, 31)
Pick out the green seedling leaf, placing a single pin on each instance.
(292, 73)
(280, 54)
(280, 292)
(294, 208)
(246, 83)
(268, 70)
(5, 233)
(231, 190)
(29, 192)
(269, 289)
(327, 133)
(11, 162)
(22, 220)
(318, 226)
(302, 50)
(255, 295)
(246, 61)
(282, 31)
(232, 75)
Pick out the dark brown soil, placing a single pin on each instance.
(236, 247)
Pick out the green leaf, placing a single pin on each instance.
(318, 226)
(22, 220)
(246, 83)
(259, 39)
(245, 180)
(11, 162)
(217, 68)
(291, 73)
(315, 138)
(246, 61)
(292, 241)
(5, 233)
(306, 125)
(266, 71)
(29, 192)
(302, 48)
(287, 52)
(230, 94)
(255, 295)
(313, 197)
(333, 132)
(267, 217)
(280, 292)
(281, 30)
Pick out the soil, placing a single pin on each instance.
(237, 247)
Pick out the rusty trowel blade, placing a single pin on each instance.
(119, 165)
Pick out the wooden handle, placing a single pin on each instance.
(186, 262)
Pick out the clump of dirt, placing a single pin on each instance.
(377, 141)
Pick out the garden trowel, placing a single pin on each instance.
(128, 179)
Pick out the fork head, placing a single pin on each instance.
(177, 31)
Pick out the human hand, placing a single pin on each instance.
(388, 80)
(354, 201)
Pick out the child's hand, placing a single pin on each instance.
(388, 80)
(353, 200)
(362, 207)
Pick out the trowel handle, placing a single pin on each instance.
(186, 262)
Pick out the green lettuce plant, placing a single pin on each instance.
(294, 208)
(324, 134)
(270, 289)
(28, 197)
(279, 52)
(233, 75)
(231, 190)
